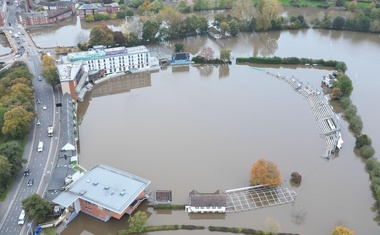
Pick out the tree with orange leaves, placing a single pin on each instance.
(265, 173)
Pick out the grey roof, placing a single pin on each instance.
(57, 181)
(90, 6)
(57, 3)
(68, 125)
(105, 186)
(217, 199)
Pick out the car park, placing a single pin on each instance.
(30, 182)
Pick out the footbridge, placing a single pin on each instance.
(256, 197)
(326, 118)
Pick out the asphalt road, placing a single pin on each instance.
(39, 163)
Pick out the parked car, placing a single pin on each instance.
(30, 182)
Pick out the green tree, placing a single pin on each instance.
(51, 76)
(137, 222)
(130, 13)
(12, 150)
(225, 55)
(338, 23)
(341, 66)
(3, 110)
(234, 27)
(135, 3)
(352, 6)
(201, 5)
(339, 3)
(121, 15)
(178, 47)
(157, 6)
(5, 173)
(361, 140)
(344, 83)
(90, 18)
(17, 122)
(150, 30)
(203, 24)
(367, 151)
(131, 39)
(36, 208)
(265, 173)
(191, 24)
(342, 230)
(183, 7)
(101, 35)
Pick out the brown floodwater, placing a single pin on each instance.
(202, 127)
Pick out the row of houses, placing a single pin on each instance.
(54, 12)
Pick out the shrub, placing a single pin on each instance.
(361, 140)
(356, 124)
(295, 177)
(345, 102)
(372, 164)
(350, 111)
(341, 66)
(367, 151)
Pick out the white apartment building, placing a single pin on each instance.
(113, 60)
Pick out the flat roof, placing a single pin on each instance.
(105, 186)
(99, 52)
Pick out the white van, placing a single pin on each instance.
(40, 146)
(22, 218)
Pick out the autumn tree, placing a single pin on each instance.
(5, 173)
(17, 122)
(173, 20)
(268, 13)
(36, 208)
(101, 35)
(225, 55)
(119, 38)
(342, 230)
(137, 222)
(265, 173)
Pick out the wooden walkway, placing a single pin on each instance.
(256, 197)
(323, 112)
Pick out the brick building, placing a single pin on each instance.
(92, 8)
(104, 192)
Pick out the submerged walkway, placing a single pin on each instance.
(256, 197)
(323, 112)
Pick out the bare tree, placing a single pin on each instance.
(272, 226)
(82, 38)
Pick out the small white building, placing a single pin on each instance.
(206, 202)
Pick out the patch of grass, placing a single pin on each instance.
(50, 231)
(168, 207)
